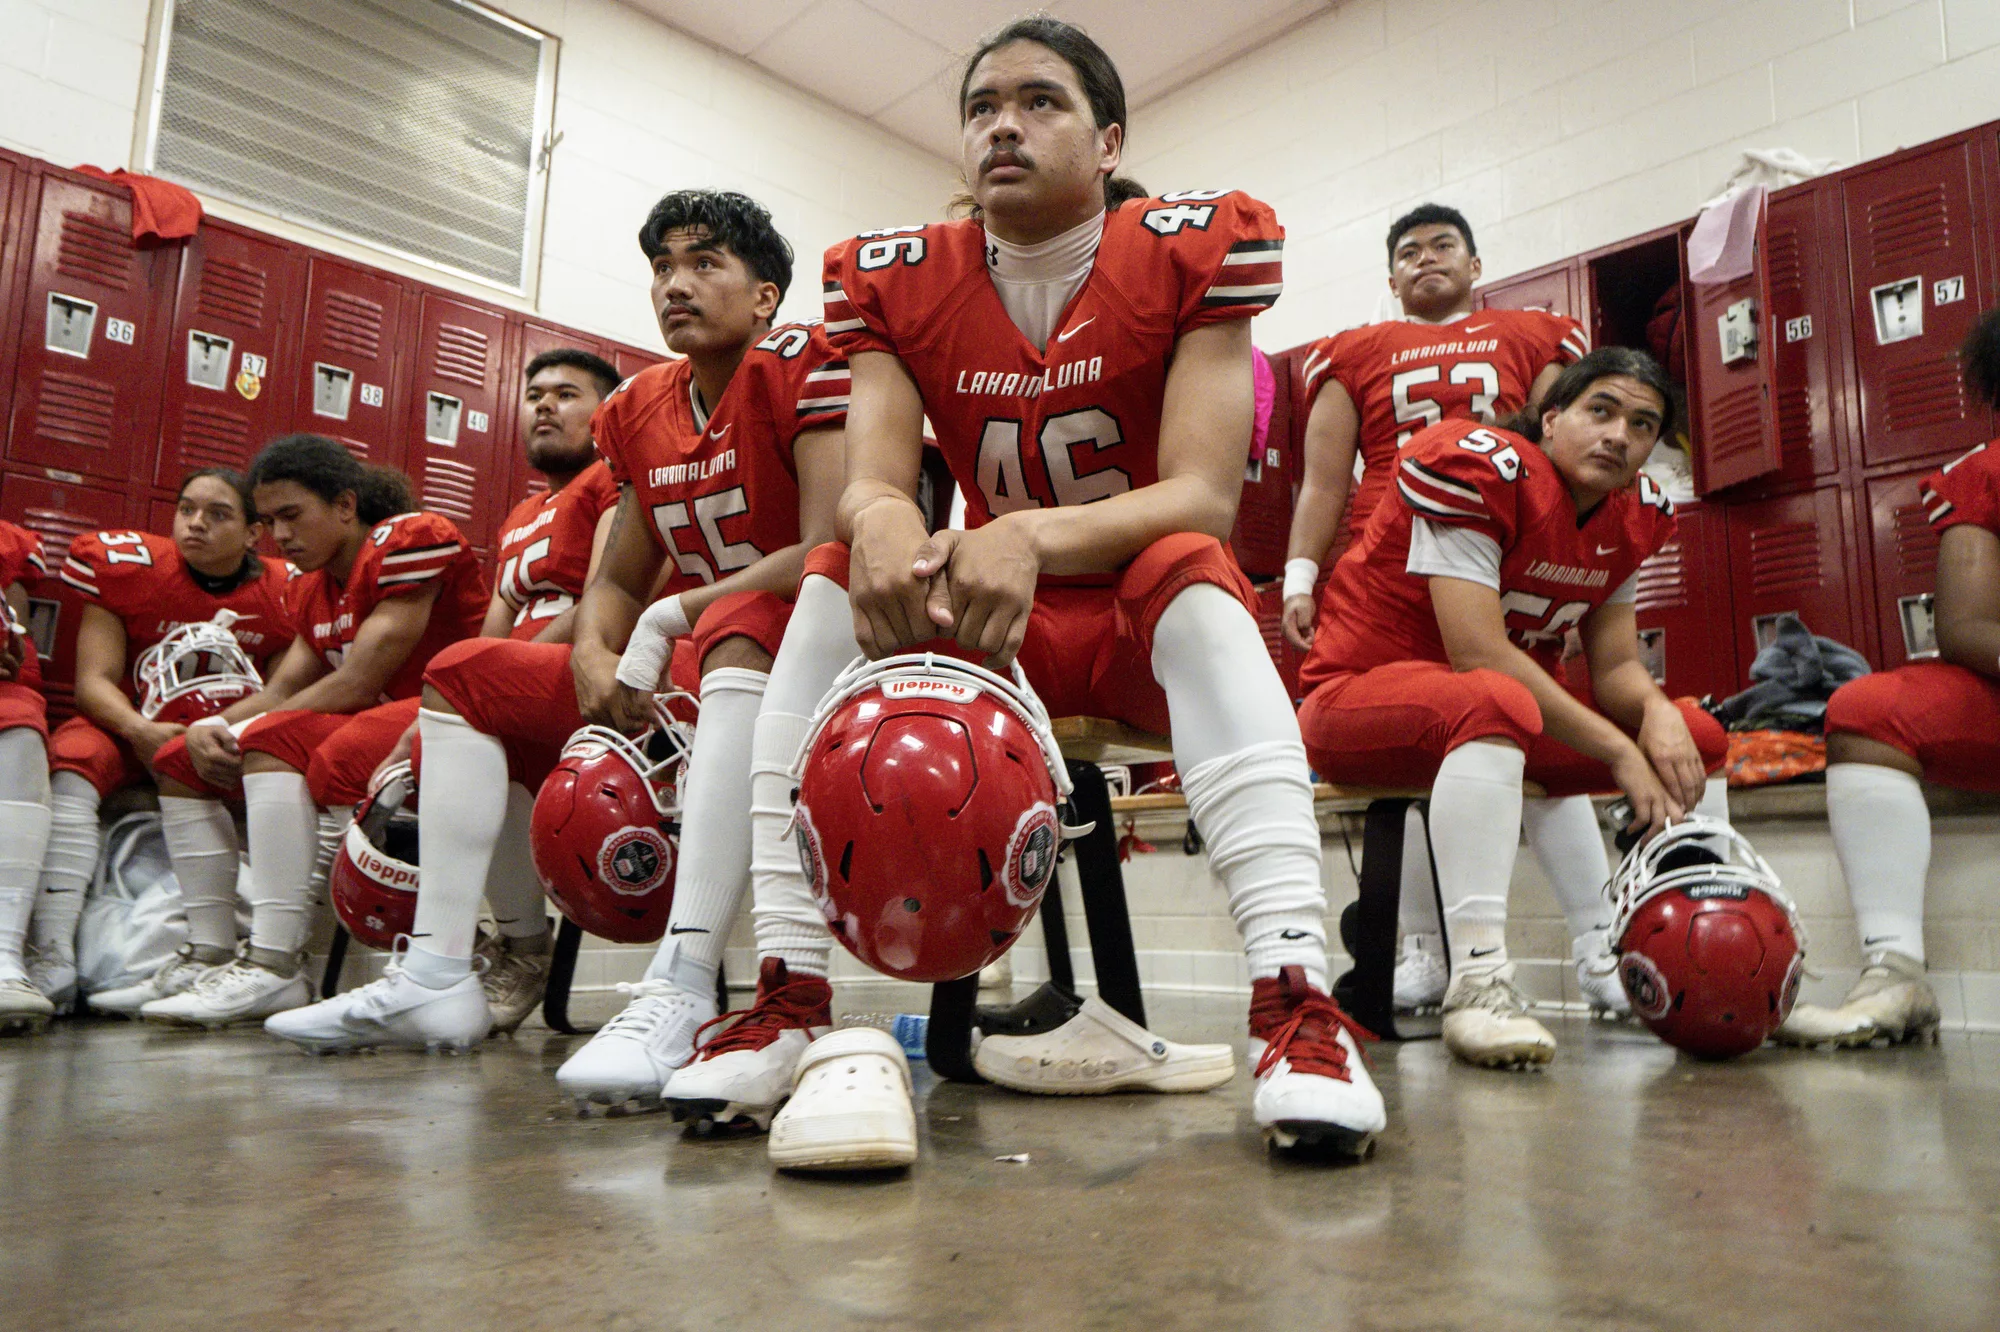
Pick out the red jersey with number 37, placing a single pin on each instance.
(399, 557)
(723, 494)
(1554, 569)
(1406, 376)
(1965, 490)
(545, 547)
(1080, 420)
(140, 578)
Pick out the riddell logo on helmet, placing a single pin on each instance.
(1031, 855)
(948, 689)
(635, 861)
(1734, 891)
(390, 873)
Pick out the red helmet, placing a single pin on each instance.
(1710, 947)
(373, 882)
(606, 827)
(196, 671)
(927, 813)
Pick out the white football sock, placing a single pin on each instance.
(1882, 834)
(513, 889)
(464, 796)
(75, 840)
(284, 845)
(1563, 833)
(1476, 810)
(714, 869)
(1417, 904)
(1223, 693)
(24, 838)
(201, 843)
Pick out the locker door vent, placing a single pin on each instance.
(1907, 226)
(1735, 422)
(1663, 579)
(77, 411)
(1795, 416)
(91, 250)
(1925, 394)
(57, 528)
(212, 438)
(354, 324)
(450, 488)
(1916, 543)
(232, 292)
(1785, 558)
(1781, 259)
(461, 355)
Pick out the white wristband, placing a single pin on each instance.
(1300, 575)
(652, 643)
(212, 719)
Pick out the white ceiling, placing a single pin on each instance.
(896, 62)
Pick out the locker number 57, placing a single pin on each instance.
(1945, 291)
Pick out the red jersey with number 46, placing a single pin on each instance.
(140, 578)
(1554, 567)
(1965, 490)
(545, 547)
(723, 493)
(1080, 420)
(1407, 376)
(398, 558)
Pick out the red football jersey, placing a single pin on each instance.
(1554, 569)
(1080, 420)
(545, 548)
(21, 558)
(140, 578)
(1965, 490)
(397, 558)
(725, 494)
(1405, 376)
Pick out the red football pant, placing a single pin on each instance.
(1392, 726)
(293, 738)
(80, 746)
(1945, 717)
(21, 705)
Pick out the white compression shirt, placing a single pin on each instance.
(1037, 282)
(1440, 550)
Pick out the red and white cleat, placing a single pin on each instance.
(743, 1072)
(1313, 1094)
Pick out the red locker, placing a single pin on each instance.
(233, 352)
(160, 508)
(59, 511)
(631, 360)
(92, 335)
(346, 383)
(1683, 608)
(16, 182)
(1916, 269)
(1790, 553)
(1805, 255)
(462, 425)
(1729, 347)
(1906, 556)
(1553, 288)
(1264, 512)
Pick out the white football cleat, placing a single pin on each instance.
(24, 1010)
(514, 980)
(394, 1010)
(1421, 973)
(850, 1106)
(1101, 1050)
(238, 991)
(1313, 1093)
(1597, 981)
(176, 974)
(1890, 1004)
(630, 1057)
(55, 976)
(1486, 1022)
(743, 1072)
(998, 974)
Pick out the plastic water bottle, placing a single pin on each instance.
(909, 1029)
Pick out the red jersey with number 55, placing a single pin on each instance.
(545, 547)
(1965, 490)
(399, 558)
(1080, 420)
(723, 492)
(1554, 567)
(1407, 376)
(140, 578)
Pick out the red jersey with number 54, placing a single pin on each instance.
(1080, 420)
(723, 493)
(1406, 376)
(545, 547)
(1554, 567)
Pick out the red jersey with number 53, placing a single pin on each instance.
(545, 548)
(140, 578)
(1080, 420)
(399, 558)
(1554, 567)
(724, 493)
(1406, 376)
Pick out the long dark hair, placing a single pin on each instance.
(1979, 358)
(328, 470)
(1576, 380)
(228, 476)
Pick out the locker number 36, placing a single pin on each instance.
(121, 330)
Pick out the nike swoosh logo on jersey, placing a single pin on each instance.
(687, 929)
(1065, 337)
(718, 434)
(1474, 328)
(1607, 550)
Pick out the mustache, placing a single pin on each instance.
(680, 307)
(1005, 155)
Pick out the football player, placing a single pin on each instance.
(1083, 354)
(1935, 721)
(1436, 660)
(137, 588)
(720, 457)
(380, 590)
(24, 781)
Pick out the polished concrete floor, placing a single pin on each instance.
(156, 1180)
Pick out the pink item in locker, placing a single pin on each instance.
(1264, 393)
(1723, 245)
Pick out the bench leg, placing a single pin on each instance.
(1103, 887)
(1055, 927)
(948, 1040)
(336, 958)
(562, 971)
(1369, 928)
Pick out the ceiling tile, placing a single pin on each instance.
(733, 27)
(957, 27)
(848, 53)
(926, 118)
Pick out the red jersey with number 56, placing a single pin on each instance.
(723, 493)
(545, 547)
(1080, 420)
(140, 578)
(1554, 567)
(399, 558)
(1406, 376)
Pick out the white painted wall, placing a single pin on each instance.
(1555, 125)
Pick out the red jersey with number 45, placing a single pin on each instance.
(545, 547)
(1080, 420)
(1554, 567)
(1406, 376)
(140, 578)
(398, 558)
(1965, 490)
(723, 493)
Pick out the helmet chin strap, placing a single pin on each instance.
(661, 776)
